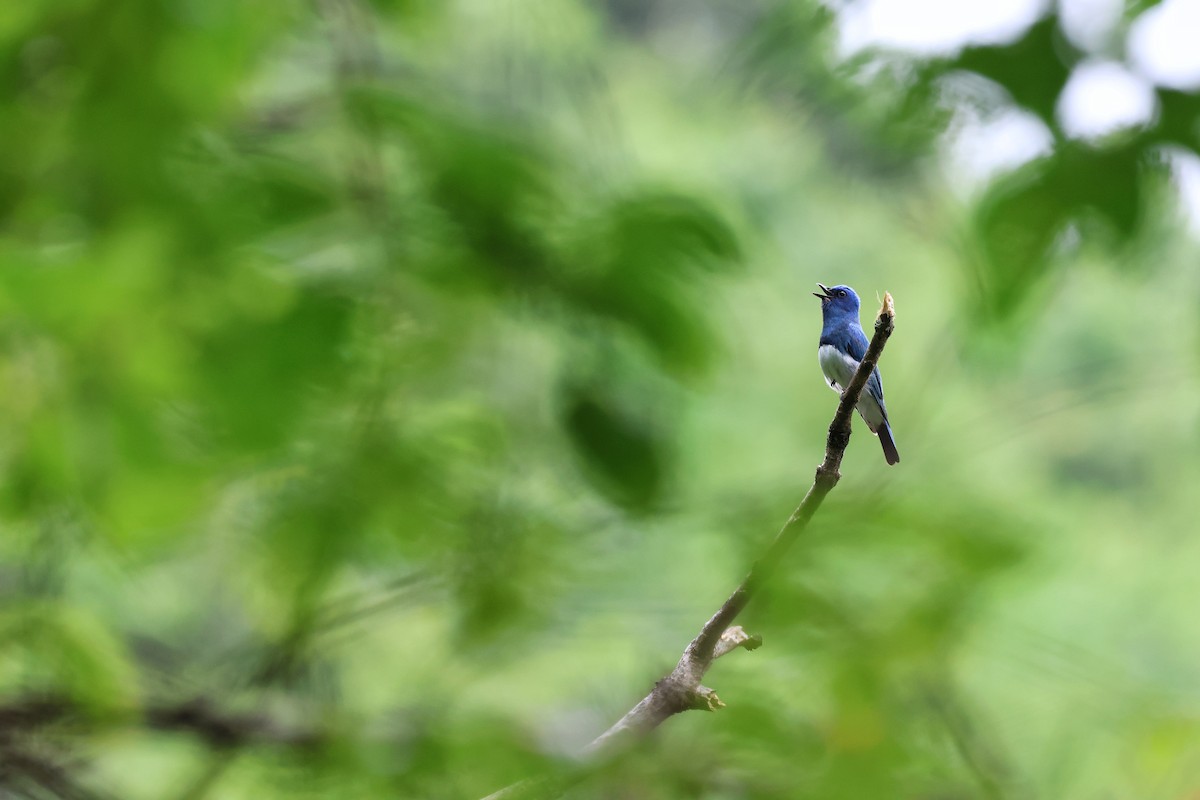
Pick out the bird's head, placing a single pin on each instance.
(837, 300)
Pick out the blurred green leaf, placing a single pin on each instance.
(876, 115)
(70, 652)
(1033, 70)
(639, 265)
(258, 371)
(1178, 119)
(621, 450)
(1024, 215)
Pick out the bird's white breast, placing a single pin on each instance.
(837, 366)
(840, 368)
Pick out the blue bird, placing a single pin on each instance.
(843, 345)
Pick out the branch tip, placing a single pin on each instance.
(705, 699)
(733, 638)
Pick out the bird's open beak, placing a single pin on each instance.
(825, 295)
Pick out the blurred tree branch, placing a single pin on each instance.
(681, 689)
(983, 757)
(33, 764)
(217, 727)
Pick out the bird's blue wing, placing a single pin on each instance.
(875, 388)
(855, 342)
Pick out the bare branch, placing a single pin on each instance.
(736, 637)
(681, 689)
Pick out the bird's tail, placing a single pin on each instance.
(889, 444)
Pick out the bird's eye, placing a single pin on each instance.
(841, 292)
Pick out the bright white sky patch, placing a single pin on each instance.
(981, 149)
(1089, 23)
(934, 26)
(1101, 97)
(1164, 44)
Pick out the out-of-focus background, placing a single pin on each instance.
(389, 391)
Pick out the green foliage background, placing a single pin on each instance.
(402, 385)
